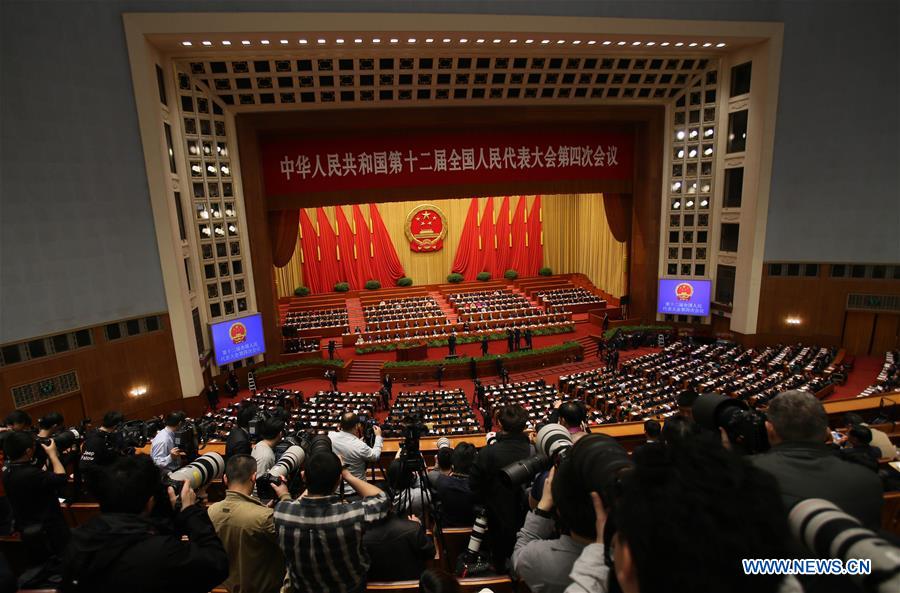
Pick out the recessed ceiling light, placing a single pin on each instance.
(376, 40)
(429, 40)
(206, 43)
(720, 45)
(635, 43)
(607, 43)
(479, 41)
(265, 42)
(707, 44)
(411, 40)
(463, 40)
(561, 41)
(650, 43)
(591, 42)
(496, 41)
(664, 44)
(513, 40)
(545, 41)
(283, 41)
(446, 40)
(339, 40)
(226, 42)
(357, 40)
(302, 42)
(186, 43)
(529, 41)
(245, 42)
(692, 44)
(621, 43)
(320, 41)
(679, 44)
(576, 42)
(394, 40)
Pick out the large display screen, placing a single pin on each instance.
(683, 297)
(238, 339)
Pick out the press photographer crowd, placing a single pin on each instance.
(301, 504)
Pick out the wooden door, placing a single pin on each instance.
(887, 328)
(858, 327)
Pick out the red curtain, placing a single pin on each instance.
(363, 246)
(310, 253)
(518, 258)
(329, 266)
(618, 215)
(486, 234)
(535, 241)
(346, 242)
(501, 232)
(466, 260)
(386, 263)
(283, 227)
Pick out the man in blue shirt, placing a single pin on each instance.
(165, 454)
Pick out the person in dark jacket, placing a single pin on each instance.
(510, 340)
(506, 505)
(124, 550)
(212, 395)
(398, 548)
(454, 491)
(484, 345)
(238, 441)
(859, 449)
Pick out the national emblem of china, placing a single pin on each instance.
(684, 291)
(237, 333)
(426, 227)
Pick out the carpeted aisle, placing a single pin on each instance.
(865, 371)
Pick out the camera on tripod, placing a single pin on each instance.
(746, 428)
(414, 428)
(553, 444)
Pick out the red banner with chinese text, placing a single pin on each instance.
(307, 165)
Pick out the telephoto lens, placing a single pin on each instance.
(472, 563)
(66, 439)
(320, 443)
(553, 440)
(198, 473)
(829, 532)
(289, 464)
(443, 442)
(553, 443)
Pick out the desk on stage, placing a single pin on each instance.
(417, 352)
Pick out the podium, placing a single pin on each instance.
(415, 352)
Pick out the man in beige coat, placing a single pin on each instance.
(245, 526)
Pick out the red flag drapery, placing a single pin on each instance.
(363, 246)
(518, 259)
(329, 266)
(310, 254)
(466, 260)
(501, 232)
(348, 256)
(486, 234)
(283, 227)
(618, 215)
(535, 241)
(386, 264)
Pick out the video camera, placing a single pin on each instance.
(746, 428)
(414, 428)
(553, 444)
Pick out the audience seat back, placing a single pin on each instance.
(890, 513)
(455, 541)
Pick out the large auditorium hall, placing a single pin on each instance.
(500, 296)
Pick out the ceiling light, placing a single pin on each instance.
(394, 40)
(692, 44)
(529, 41)
(265, 42)
(186, 43)
(446, 40)
(245, 42)
(680, 134)
(513, 40)
(707, 44)
(545, 41)
(376, 40)
(206, 43)
(320, 41)
(621, 43)
(792, 320)
(704, 202)
(676, 205)
(232, 228)
(607, 43)
(709, 132)
(339, 40)
(561, 41)
(302, 42)
(689, 203)
(479, 41)
(692, 153)
(708, 151)
(693, 134)
(463, 40)
(411, 40)
(592, 42)
(357, 40)
(650, 43)
(704, 189)
(138, 391)
(496, 41)
(226, 42)
(205, 216)
(576, 42)
(679, 44)
(681, 153)
(720, 45)
(429, 40)
(664, 44)
(676, 186)
(283, 41)
(635, 43)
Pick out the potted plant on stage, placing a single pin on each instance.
(454, 278)
(342, 287)
(301, 291)
(373, 284)
(510, 274)
(404, 281)
(483, 276)
(545, 271)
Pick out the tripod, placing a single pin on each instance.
(412, 470)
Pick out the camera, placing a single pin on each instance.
(64, 439)
(318, 443)
(368, 428)
(413, 429)
(553, 444)
(746, 428)
(198, 473)
(472, 562)
(287, 465)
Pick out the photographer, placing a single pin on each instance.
(48, 426)
(348, 444)
(271, 433)
(681, 521)
(124, 550)
(506, 505)
(101, 447)
(247, 530)
(238, 441)
(165, 454)
(33, 493)
(453, 489)
(398, 547)
(805, 467)
(322, 537)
